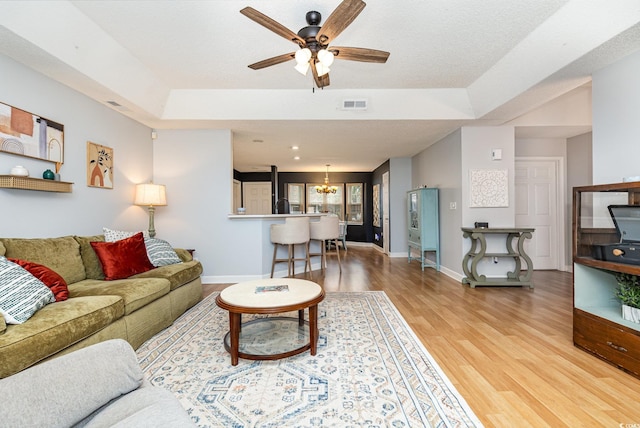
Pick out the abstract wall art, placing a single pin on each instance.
(26, 134)
(99, 166)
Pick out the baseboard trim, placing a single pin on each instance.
(399, 255)
(451, 274)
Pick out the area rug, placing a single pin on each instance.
(370, 371)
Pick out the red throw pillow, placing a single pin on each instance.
(123, 258)
(50, 278)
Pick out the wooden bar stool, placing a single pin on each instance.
(294, 231)
(327, 229)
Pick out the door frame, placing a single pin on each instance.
(561, 184)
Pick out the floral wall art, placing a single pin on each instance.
(489, 188)
(99, 166)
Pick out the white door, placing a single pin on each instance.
(385, 212)
(257, 197)
(536, 189)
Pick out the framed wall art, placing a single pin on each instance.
(26, 134)
(376, 205)
(489, 188)
(99, 166)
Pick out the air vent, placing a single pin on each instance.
(118, 106)
(354, 104)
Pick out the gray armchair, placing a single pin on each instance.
(98, 386)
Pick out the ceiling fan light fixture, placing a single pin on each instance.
(303, 56)
(325, 57)
(302, 68)
(313, 41)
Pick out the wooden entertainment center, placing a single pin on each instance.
(598, 326)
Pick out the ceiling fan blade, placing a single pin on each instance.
(321, 81)
(273, 61)
(271, 24)
(339, 19)
(359, 54)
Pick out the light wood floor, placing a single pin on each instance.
(508, 351)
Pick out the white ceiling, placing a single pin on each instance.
(183, 64)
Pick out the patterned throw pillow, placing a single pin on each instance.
(21, 294)
(160, 252)
(111, 235)
(124, 258)
(49, 277)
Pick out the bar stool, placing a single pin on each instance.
(327, 229)
(294, 231)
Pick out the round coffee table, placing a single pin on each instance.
(271, 296)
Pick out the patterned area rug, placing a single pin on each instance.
(370, 371)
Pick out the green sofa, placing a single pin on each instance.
(133, 309)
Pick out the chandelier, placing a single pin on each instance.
(326, 188)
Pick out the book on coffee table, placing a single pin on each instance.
(271, 288)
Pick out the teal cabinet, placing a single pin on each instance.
(424, 227)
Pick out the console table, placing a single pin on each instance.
(478, 251)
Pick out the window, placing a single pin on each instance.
(347, 203)
(354, 203)
(295, 195)
(325, 202)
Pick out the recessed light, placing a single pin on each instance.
(294, 147)
(296, 158)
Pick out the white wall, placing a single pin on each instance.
(545, 147)
(439, 166)
(87, 209)
(196, 168)
(579, 173)
(616, 128)
(477, 143)
(579, 161)
(399, 183)
(571, 109)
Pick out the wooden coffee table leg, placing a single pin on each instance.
(301, 317)
(234, 333)
(313, 328)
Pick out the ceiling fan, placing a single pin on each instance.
(314, 40)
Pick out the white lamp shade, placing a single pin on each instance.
(325, 57)
(302, 68)
(303, 55)
(322, 69)
(150, 194)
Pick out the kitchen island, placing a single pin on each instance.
(258, 253)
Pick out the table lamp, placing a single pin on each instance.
(150, 195)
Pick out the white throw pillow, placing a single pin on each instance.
(21, 294)
(111, 235)
(160, 252)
